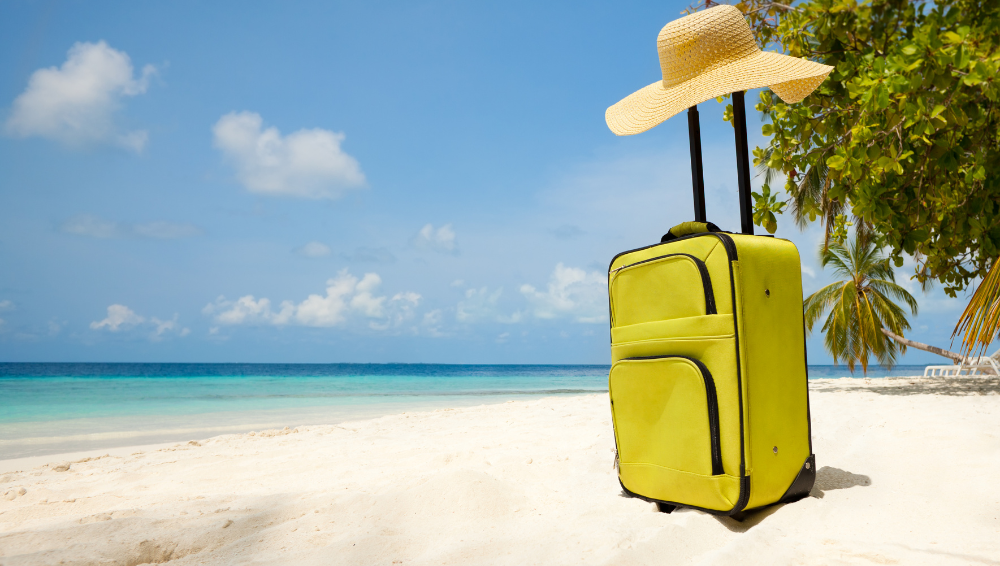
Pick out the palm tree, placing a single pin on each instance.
(861, 306)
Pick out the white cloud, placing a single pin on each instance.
(571, 292)
(75, 104)
(55, 327)
(431, 324)
(119, 317)
(440, 240)
(458, 283)
(92, 226)
(432, 318)
(401, 308)
(307, 163)
(165, 326)
(96, 227)
(346, 295)
(808, 271)
(478, 305)
(314, 249)
(244, 310)
(161, 230)
(482, 305)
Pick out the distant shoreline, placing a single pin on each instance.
(16, 368)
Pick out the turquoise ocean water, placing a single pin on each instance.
(54, 408)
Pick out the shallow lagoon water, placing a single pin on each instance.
(53, 408)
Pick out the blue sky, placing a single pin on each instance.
(340, 182)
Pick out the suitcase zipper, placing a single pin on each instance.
(727, 244)
(713, 408)
(706, 280)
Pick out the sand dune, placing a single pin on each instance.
(905, 476)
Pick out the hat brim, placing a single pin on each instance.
(791, 78)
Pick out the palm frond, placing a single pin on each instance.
(809, 196)
(890, 289)
(837, 256)
(881, 312)
(837, 328)
(868, 260)
(890, 314)
(980, 321)
(763, 169)
(816, 304)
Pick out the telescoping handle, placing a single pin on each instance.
(697, 173)
(742, 163)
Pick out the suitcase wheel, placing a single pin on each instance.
(665, 507)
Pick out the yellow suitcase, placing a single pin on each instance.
(708, 388)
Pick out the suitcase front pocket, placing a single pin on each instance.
(666, 414)
(661, 288)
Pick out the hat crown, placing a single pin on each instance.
(703, 41)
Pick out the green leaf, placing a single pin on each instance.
(770, 223)
(972, 79)
(835, 162)
(937, 110)
(920, 235)
(881, 97)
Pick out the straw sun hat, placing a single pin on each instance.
(705, 55)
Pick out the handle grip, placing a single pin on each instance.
(685, 228)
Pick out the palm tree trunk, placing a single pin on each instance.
(957, 358)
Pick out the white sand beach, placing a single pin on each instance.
(908, 474)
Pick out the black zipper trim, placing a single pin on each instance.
(706, 280)
(727, 243)
(726, 240)
(805, 357)
(740, 503)
(713, 407)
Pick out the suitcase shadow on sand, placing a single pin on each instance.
(827, 479)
